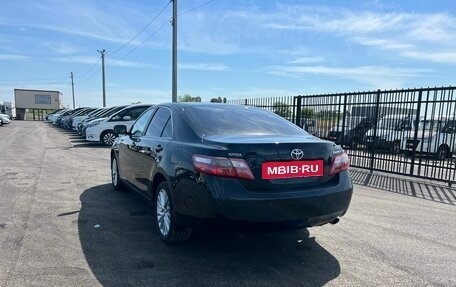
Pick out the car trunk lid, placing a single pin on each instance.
(292, 161)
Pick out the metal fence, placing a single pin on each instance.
(409, 132)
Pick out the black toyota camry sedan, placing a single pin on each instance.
(206, 165)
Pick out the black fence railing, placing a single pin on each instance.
(409, 132)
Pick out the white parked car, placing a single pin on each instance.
(4, 119)
(54, 116)
(102, 130)
(435, 137)
(78, 119)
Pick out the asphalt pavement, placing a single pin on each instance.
(62, 224)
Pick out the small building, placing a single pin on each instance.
(35, 104)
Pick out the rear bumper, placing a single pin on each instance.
(303, 208)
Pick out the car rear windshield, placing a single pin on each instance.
(238, 120)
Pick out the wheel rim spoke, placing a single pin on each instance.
(109, 138)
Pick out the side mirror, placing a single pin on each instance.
(120, 130)
(127, 118)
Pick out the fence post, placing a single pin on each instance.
(415, 137)
(297, 102)
(377, 108)
(344, 114)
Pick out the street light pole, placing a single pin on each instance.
(103, 52)
(72, 89)
(174, 80)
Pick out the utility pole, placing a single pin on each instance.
(174, 84)
(72, 88)
(103, 52)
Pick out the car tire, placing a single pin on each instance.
(108, 137)
(165, 217)
(442, 153)
(115, 175)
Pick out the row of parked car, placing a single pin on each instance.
(97, 124)
(398, 134)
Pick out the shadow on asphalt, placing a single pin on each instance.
(86, 144)
(405, 186)
(122, 249)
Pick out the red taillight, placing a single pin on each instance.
(339, 163)
(221, 166)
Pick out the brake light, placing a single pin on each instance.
(339, 163)
(221, 166)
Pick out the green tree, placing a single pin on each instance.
(281, 109)
(188, 98)
(307, 113)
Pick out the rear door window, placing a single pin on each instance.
(161, 122)
(140, 125)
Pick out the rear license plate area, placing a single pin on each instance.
(292, 169)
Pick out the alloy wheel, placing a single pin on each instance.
(163, 212)
(109, 138)
(114, 173)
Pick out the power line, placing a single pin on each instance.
(142, 43)
(196, 7)
(151, 35)
(142, 30)
(90, 70)
(88, 77)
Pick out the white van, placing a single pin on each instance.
(435, 137)
(102, 130)
(391, 130)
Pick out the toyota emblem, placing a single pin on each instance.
(297, 154)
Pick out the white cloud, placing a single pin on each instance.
(78, 59)
(86, 19)
(129, 64)
(203, 66)
(307, 60)
(352, 71)
(62, 47)
(376, 76)
(386, 44)
(324, 19)
(445, 57)
(13, 57)
(109, 62)
(433, 28)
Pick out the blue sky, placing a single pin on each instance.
(228, 48)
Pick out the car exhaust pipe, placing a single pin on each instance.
(335, 221)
